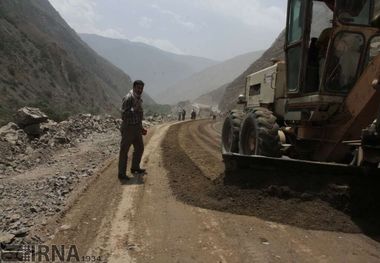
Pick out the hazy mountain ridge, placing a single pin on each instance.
(213, 97)
(159, 69)
(44, 63)
(208, 79)
(236, 87)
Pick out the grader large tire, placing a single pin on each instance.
(230, 132)
(259, 134)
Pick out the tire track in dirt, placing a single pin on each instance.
(161, 229)
(207, 132)
(203, 137)
(203, 151)
(92, 212)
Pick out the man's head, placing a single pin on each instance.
(138, 87)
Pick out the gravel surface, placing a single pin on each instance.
(40, 175)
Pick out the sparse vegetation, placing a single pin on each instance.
(54, 113)
(36, 74)
(150, 110)
(5, 115)
(73, 75)
(2, 46)
(38, 71)
(10, 82)
(45, 54)
(48, 94)
(2, 13)
(95, 110)
(11, 70)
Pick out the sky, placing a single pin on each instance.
(215, 29)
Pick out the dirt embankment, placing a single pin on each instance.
(196, 177)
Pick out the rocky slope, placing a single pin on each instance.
(236, 87)
(213, 97)
(44, 63)
(159, 69)
(208, 79)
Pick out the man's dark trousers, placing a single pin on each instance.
(130, 135)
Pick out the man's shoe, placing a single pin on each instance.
(138, 171)
(123, 177)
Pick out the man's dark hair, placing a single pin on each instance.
(138, 82)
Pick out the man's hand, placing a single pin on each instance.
(144, 131)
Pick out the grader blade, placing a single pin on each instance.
(247, 168)
(352, 190)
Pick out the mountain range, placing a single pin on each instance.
(208, 79)
(43, 62)
(159, 69)
(236, 87)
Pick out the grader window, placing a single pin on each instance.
(322, 17)
(358, 12)
(255, 90)
(294, 67)
(374, 48)
(320, 31)
(295, 21)
(376, 8)
(342, 65)
(376, 15)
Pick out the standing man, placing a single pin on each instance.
(132, 130)
(193, 114)
(179, 114)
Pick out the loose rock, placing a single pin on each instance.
(6, 238)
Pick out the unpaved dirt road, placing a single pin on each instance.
(182, 212)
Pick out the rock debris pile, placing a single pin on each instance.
(30, 203)
(30, 140)
(43, 163)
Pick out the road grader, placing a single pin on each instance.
(321, 106)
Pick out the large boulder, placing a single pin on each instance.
(29, 119)
(29, 116)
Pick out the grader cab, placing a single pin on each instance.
(320, 106)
